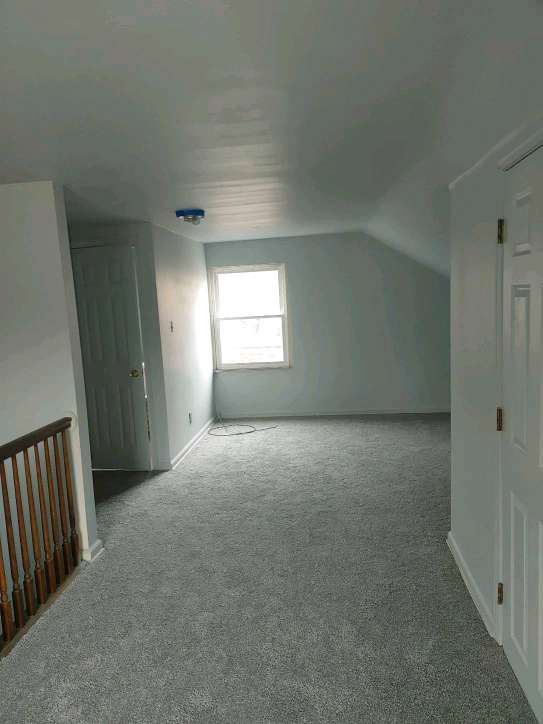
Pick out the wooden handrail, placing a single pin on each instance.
(9, 449)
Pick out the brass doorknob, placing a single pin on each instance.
(134, 373)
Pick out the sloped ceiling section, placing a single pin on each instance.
(279, 118)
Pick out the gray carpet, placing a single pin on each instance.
(295, 575)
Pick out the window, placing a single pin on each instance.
(249, 316)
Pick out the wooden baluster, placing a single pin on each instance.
(71, 507)
(8, 629)
(66, 548)
(57, 554)
(47, 545)
(39, 573)
(17, 594)
(27, 578)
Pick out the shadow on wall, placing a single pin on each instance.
(419, 341)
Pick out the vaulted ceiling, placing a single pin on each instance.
(279, 117)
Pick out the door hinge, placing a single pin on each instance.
(500, 593)
(499, 419)
(501, 231)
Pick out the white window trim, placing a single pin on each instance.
(215, 334)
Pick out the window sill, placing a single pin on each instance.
(241, 368)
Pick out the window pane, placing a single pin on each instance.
(246, 341)
(247, 294)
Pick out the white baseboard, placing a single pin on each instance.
(332, 413)
(92, 553)
(191, 443)
(473, 588)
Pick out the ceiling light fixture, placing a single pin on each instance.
(191, 216)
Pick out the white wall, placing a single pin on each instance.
(181, 280)
(40, 360)
(369, 330)
(475, 384)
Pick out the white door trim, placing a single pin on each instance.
(531, 143)
(498, 618)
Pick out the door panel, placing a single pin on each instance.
(109, 326)
(522, 438)
(519, 633)
(520, 344)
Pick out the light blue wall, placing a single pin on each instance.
(183, 301)
(369, 330)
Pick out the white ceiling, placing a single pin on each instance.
(279, 117)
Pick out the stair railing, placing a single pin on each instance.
(42, 537)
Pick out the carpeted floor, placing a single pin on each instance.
(295, 575)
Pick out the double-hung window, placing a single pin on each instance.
(249, 316)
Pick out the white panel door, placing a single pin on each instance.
(110, 331)
(523, 427)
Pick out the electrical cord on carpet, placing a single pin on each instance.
(224, 426)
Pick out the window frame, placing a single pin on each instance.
(213, 273)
